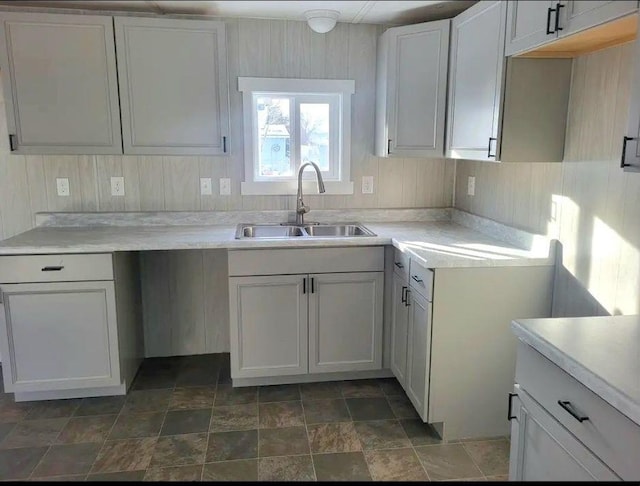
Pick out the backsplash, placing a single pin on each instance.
(269, 48)
(588, 202)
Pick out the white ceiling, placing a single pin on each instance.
(371, 12)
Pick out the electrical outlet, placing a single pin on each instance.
(117, 186)
(471, 186)
(225, 186)
(205, 186)
(62, 184)
(367, 184)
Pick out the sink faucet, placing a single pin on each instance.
(300, 207)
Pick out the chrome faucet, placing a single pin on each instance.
(300, 207)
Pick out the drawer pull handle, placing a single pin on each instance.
(509, 416)
(52, 269)
(567, 406)
(415, 277)
(399, 265)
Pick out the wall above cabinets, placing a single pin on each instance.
(62, 86)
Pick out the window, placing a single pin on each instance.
(291, 121)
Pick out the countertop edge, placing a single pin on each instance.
(607, 392)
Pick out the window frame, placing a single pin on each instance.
(337, 93)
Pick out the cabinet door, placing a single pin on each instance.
(345, 321)
(173, 86)
(268, 325)
(399, 323)
(630, 160)
(419, 353)
(476, 80)
(58, 336)
(530, 23)
(577, 15)
(60, 83)
(417, 89)
(543, 450)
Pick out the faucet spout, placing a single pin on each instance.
(301, 209)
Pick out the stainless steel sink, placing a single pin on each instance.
(306, 231)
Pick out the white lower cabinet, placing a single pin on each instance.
(306, 322)
(70, 325)
(399, 327)
(543, 450)
(270, 325)
(418, 353)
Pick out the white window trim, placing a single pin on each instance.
(343, 88)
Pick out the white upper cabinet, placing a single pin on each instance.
(476, 80)
(60, 86)
(529, 24)
(411, 93)
(578, 15)
(173, 86)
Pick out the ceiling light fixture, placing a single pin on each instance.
(322, 21)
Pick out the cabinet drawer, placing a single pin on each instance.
(55, 268)
(306, 260)
(421, 280)
(401, 263)
(610, 435)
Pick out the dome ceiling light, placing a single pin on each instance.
(322, 21)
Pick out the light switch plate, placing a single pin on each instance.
(117, 186)
(367, 184)
(471, 186)
(205, 186)
(225, 186)
(62, 185)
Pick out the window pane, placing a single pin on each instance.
(314, 134)
(274, 141)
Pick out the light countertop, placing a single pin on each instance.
(433, 243)
(603, 353)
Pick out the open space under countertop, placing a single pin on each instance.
(441, 243)
(603, 353)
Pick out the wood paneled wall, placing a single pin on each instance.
(270, 48)
(588, 202)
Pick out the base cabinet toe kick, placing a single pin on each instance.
(69, 324)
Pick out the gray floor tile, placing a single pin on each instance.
(65, 478)
(228, 446)
(280, 414)
(402, 407)
(192, 398)
(124, 455)
(19, 463)
(420, 433)
(288, 468)
(447, 461)
(361, 388)
(147, 401)
(175, 473)
(234, 417)
(284, 441)
(11, 412)
(33, 433)
(118, 476)
(227, 395)
(5, 429)
(67, 460)
(369, 408)
(179, 450)
(48, 409)
(381, 434)
(333, 437)
(391, 387)
(197, 376)
(244, 470)
(87, 429)
(492, 456)
(394, 465)
(323, 411)
(100, 406)
(346, 466)
(186, 422)
(152, 380)
(318, 391)
(278, 393)
(135, 425)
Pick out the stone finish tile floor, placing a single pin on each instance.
(182, 421)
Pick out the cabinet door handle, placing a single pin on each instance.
(558, 7)
(549, 12)
(313, 285)
(415, 277)
(509, 416)
(625, 139)
(398, 264)
(224, 144)
(388, 146)
(489, 154)
(569, 408)
(52, 269)
(304, 285)
(406, 298)
(12, 142)
(404, 295)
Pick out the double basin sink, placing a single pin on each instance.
(285, 230)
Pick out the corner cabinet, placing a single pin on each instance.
(310, 319)
(174, 90)
(60, 83)
(411, 90)
(70, 325)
